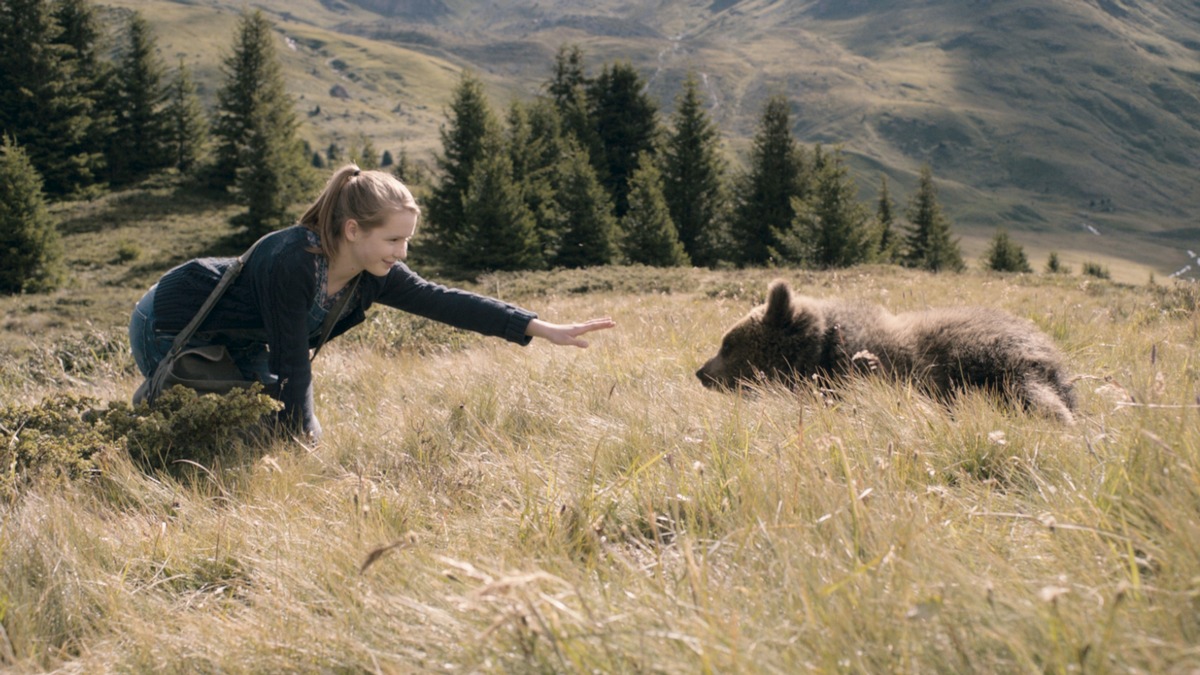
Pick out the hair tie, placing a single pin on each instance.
(357, 171)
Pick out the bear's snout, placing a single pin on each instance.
(707, 378)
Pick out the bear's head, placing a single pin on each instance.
(778, 340)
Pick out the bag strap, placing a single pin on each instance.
(231, 273)
(334, 314)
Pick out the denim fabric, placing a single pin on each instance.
(150, 346)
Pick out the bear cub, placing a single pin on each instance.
(943, 350)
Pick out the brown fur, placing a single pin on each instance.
(943, 350)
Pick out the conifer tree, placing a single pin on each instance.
(368, 157)
(694, 177)
(187, 127)
(929, 244)
(141, 135)
(1005, 255)
(885, 221)
(537, 146)
(498, 230)
(586, 223)
(648, 235)
(470, 122)
(763, 199)
(626, 121)
(568, 88)
(1054, 266)
(253, 100)
(43, 103)
(831, 228)
(30, 249)
(387, 160)
(83, 37)
(256, 126)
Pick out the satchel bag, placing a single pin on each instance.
(209, 369)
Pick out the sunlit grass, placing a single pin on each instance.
(484, 507)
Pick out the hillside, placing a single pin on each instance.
(1071, 123)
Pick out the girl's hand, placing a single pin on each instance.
(567, 334)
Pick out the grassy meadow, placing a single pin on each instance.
(480, 507)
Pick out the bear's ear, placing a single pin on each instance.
(779, 312)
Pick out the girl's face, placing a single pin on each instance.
(376, 250)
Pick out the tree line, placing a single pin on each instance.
(587, 174)
(583, 174)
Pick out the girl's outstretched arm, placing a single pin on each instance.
(567, 333)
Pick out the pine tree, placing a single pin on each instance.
(929, 244)
(885, 221)
(253, 100)
(587, 226)
(537, 146)
(568, 88)
(256, 126)
(648, 235)
(30, 250)
(694, 177)
(1005, 255)
(498, 229)
(83, 36)
(368, 157)
(626, 121)
(1054, 266)
(187, 128)
(831, 228)
(44, 104)
(763, 200)
(470, 123)
(387, 160)
(141, 136)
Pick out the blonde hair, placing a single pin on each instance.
(367, 197)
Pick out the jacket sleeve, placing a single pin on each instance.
(403, 289)
(285, 289)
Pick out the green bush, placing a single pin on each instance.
(185, 426)
(53, 441)
(60, 438)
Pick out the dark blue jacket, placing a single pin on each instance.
(270, 300)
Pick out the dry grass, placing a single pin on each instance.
(481, 507)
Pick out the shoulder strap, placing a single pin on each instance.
(231, 273)
(334, 314)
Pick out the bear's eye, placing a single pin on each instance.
(725, 348)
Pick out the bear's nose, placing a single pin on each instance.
(706, 379)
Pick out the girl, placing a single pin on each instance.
(358, 228)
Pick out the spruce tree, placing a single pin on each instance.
(252, 100)
(586, 223)
(831, 228)
(187, 127)
(140, 142)
(694, 177)
(929, 244)
(30, 250)
(498, 230)
(1005, 255)
(1054, 266)
(537, 146)
(885, 221)
(256, 126)
(368, 157)
(44, 104)
(626, 121)
(568, 88)
(470, 121)
(763, 199)
(648, 236)
(83, 36)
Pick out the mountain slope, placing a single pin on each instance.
(1056, 118)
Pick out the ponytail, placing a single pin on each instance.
(367, 197)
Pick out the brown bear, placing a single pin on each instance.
(943, 350)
